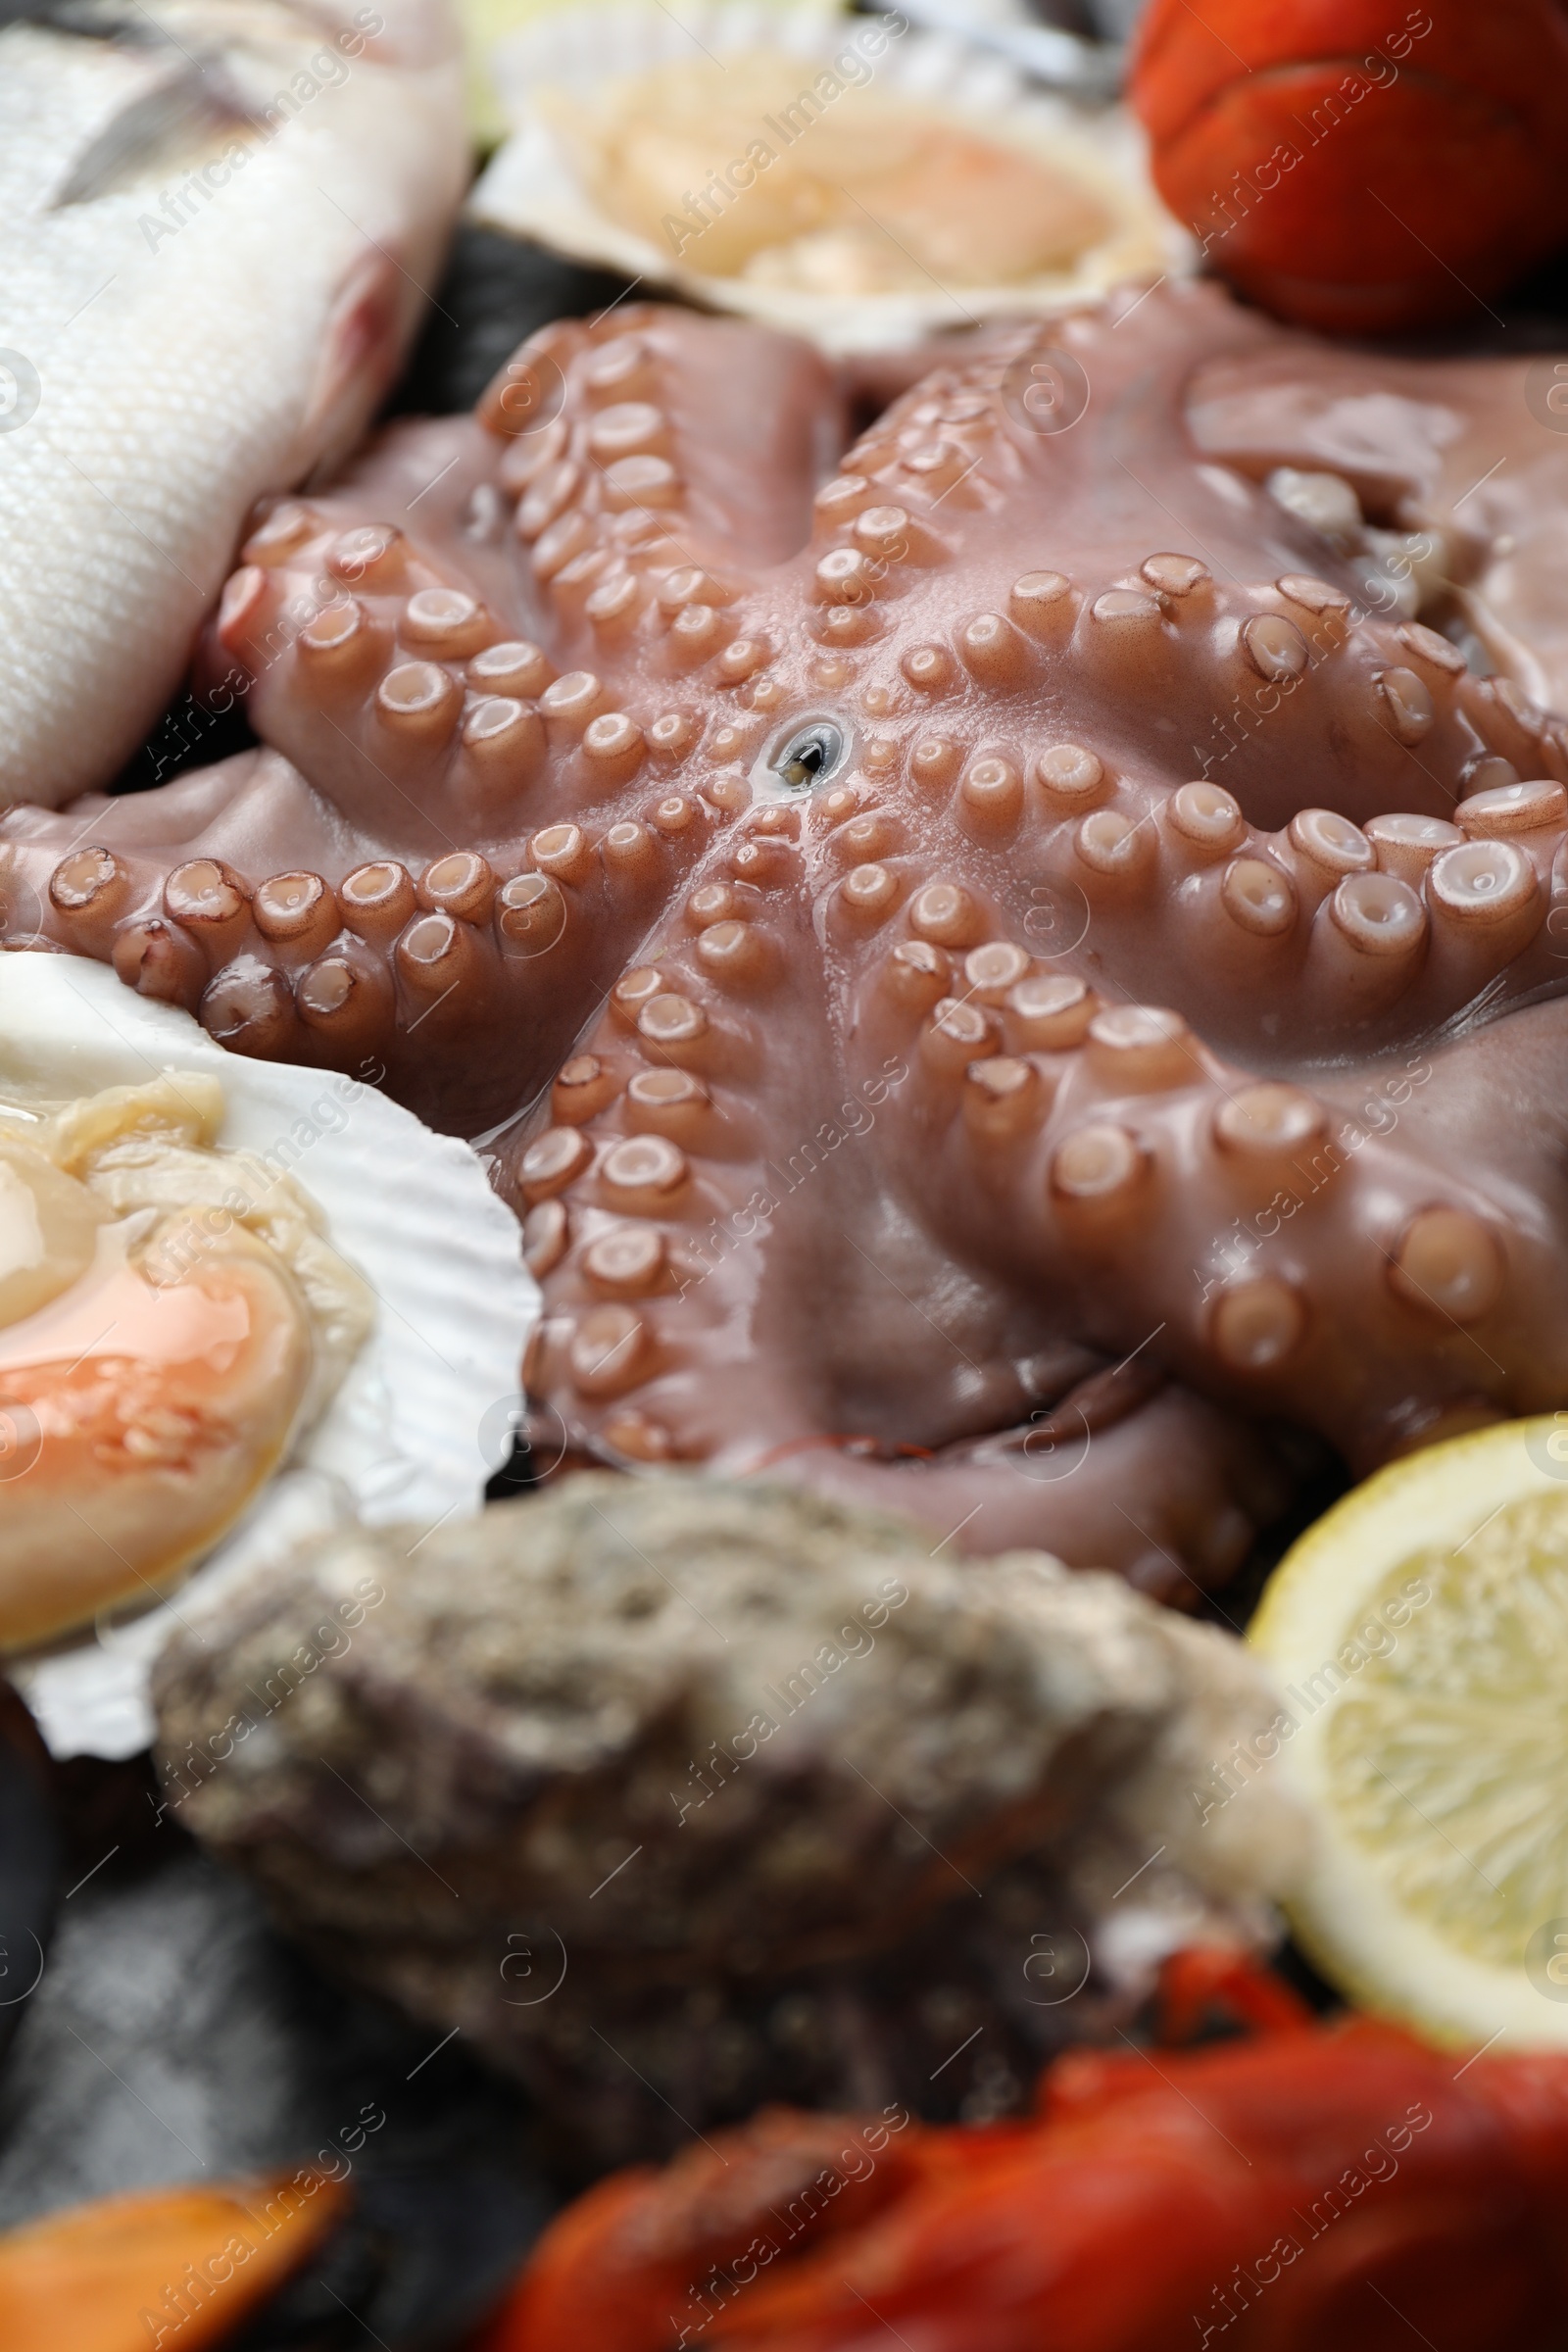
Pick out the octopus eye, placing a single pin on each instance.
(809, 756)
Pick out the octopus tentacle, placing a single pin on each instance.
(358, 957)
(1296, 1246)
(611, 488)
(688, 1252)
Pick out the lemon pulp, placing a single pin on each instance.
(1419, 1633)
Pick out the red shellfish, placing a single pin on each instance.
(1361, 164)
(1340, 2185)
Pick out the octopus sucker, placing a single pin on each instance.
(998, 968)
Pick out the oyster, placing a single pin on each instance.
(677, 1796)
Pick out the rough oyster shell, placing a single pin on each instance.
(534, 1797)
(565, 84)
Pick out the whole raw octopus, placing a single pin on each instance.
(997, 975)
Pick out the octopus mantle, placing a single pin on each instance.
(995, 978)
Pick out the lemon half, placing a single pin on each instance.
(1420, 1636)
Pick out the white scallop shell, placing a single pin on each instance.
(532, 187)
(426, 1413)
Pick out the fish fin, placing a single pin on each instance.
(159, 130)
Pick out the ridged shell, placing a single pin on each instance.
(579, 57)
(425, 1413)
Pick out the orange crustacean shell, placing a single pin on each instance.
(177, 2268)
(1362, 165)
(1324, 2186)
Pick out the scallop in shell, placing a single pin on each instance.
(844, 178)
(238, 1300)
